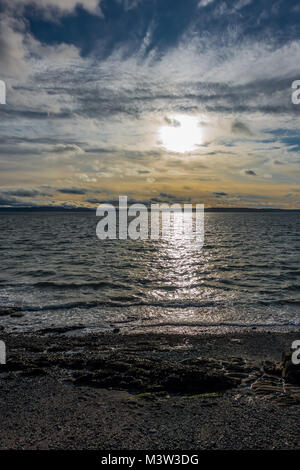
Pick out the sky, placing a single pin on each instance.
(160, 100)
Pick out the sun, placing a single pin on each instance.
(181, 134)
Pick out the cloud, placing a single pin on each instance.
(92, 108)
(204, 3)
(220, 194)
(25, 192)
(86, 178)
(8, 201)
(129, 4)
(20, 52)
(52, 9)
(13, 50)
(172, 122)
(250, 173)
(65, 148)
(241, 4)
(167, 196)
(72, 190)
(95, 201)
(239, 127)
(63, 152)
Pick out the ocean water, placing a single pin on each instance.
(57, 272)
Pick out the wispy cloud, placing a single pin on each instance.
(204, 3)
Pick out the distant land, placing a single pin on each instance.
(87, 209)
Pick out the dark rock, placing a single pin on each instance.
(14, 365)
(4, 311)
(290, 371)
(141, 374)
(271, 368)
(35, 372)
(60, 329)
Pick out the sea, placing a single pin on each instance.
(57, 273)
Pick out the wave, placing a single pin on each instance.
(219, 324)
(279, 302)
(70, 285)
(132, 301)
(76, 285)
(119, 302)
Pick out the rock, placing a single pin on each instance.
(271, 368)
(5, 311)
(141, 374)
(236, 340)
(13, 365)
(60, 329)
(35, 372)
(290, 371)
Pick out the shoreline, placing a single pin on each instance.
(10, 316)
(148, 391)
(259, 342)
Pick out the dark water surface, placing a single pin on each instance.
(56, 270)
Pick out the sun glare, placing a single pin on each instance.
(181, 134)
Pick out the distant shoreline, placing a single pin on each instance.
(86, 209)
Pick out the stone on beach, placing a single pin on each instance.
(144, 374)
(290, 371)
